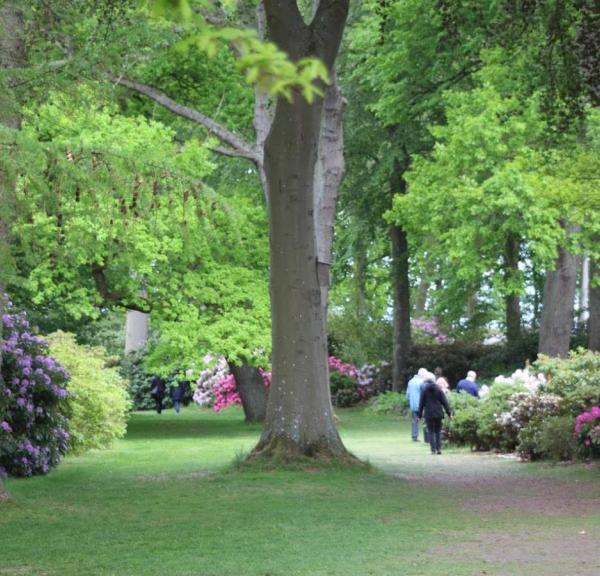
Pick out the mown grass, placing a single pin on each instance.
(167, 501)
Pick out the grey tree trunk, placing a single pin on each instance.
(299, 413)
(12, 55)
(512, 300)
(594, 307)
(558, 308)
(584, 292)
(252, 390)
(136, 330)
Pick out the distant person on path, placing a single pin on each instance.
(413, 393)
(468, 384)
(178, 390)
(432, 405)
(157, 391)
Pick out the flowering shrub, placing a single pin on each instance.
(217, 387)
(215, 370)
(33, 424)
(349, 385)
(587, 429)
(522, 378)
(428, 331)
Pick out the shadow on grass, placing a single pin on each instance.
(171, 427)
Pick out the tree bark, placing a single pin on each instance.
(400, 290)
(558, 307)
(299, 413)
(512, 300)
(136, 330)
(252, 390)
(12, 55)
(594, 307)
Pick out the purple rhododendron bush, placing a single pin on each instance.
(33, 422)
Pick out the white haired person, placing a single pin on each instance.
(432, 406)
(468, 384)
(441, 381)
(413, 393)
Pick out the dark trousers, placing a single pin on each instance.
(158, 400)
(434, 431)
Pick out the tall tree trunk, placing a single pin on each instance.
(252, 390)
(558, 308)
(400, 289)
(136, 330)
(359, 255)
(512, 300)
(299, 413)
(12, 55)
(401, 307)
(594, 307)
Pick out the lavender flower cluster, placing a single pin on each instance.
(33, 423)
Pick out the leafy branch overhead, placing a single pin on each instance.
(261, 62)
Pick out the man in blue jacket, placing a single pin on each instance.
(413, 393)
(468, 385)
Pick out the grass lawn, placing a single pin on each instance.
(164, 501)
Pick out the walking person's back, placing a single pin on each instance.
(432, 406)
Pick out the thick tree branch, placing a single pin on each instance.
(241, 147)
(111, 296)
(286, 26)
(328, 28)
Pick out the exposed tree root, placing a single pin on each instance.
(282, 452)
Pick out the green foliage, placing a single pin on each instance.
(344, 390)
(98, 399)
(389, 403)
(550, 438)
(576, 380)
(462, 429)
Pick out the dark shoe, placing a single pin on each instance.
(439, 452)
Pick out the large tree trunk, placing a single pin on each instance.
(558, 308)
(252, 390)
(299, 413)
(12, 55)
(512, 300)
(594, 307)
(401, 311)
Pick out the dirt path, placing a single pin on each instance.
(550, 514)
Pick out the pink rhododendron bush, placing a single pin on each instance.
(216, 386)
(546, 411)
(33, 402)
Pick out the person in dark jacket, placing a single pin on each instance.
(178, 391)
(157, 391)
(432, 405)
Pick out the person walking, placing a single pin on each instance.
(157, 391)
(468, 384)
(178, 390)
(413, 393)
(432, 405)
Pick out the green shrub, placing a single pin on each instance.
(462, 429)
(549, 438)
(344, 390)
(576, 379)
(389, 403)
(98, 399)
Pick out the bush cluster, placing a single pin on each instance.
(98, 399)
(33, 401)
(389, 403)
(551, 416)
